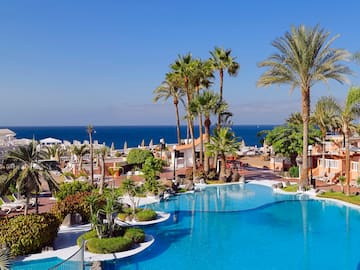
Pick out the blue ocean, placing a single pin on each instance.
(133, 135)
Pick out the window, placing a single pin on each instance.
(354, 166)
(330, 163)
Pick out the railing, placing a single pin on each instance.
(74, 262)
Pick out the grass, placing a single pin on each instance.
(214, 182)
(341, 196)
(292, 188)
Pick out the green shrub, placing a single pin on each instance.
(135, 234)
(28, 234)
(146, 215)
(109, 245)
(86, 236)
(138, 156)
(67, 189)
(122, 216)
(294, 171)
(72, 204)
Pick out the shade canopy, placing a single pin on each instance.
(50, 140)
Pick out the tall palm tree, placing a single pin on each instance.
(184, 67)
(222, 60)
(28, 172)
(170, 88)
(346, 114)
(304, 58)
(223, 142)
(80, 152)
(201, 78)
(90, 131)
(207, 103)
(356, 57)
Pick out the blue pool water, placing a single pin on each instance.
(250, 228)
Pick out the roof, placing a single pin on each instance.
(7, 132)
(188, 146)
(50, 141)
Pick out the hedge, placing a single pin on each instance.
(109, 245)
(135, 234)
(146, 215)
(28, 234)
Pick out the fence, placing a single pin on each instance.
(74, 262)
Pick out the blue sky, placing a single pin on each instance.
(80, 62)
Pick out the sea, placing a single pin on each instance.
(132, 135)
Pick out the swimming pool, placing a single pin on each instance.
(234, 227)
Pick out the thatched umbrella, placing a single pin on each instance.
(143, 143)
(151, 144)
(125, 146)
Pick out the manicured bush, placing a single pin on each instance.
(135, 234)
(109, 245)
(67, 189)
(294, 171)
(28, 234)
(146, 215)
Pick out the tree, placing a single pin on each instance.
(356, 57)
(54, 152)
(129, 188)
(151, 168)
(28, 172)
(90, 131)
(170, 88)
(206, 104)
(295, 119)
(346, 114)
(80, 152)
(138, 156)
(4, 259)
(223, 142)
(222, 60)
(304, 58)
(183, 67)
(324, 116)
(287, 140)
(200, 79)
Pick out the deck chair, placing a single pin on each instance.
(8, 207)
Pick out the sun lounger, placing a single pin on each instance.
(8, 207)
(21, 199)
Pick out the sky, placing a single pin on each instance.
(97, 62)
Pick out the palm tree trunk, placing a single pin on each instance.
(347, 159)
(91, 158)
(102, 180)
(177, 122)
(201, 139)
(191, 127)
(221, 71)
(305, 96)
(207, 124)
(222, 168)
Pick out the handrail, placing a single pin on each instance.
(77, 261)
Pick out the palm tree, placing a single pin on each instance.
(207, 103)
(223, 61)
(129, 187)
(4, 259)
(28, 172)
(54, 152)
(183, 67)
(90, 131)
(304, 58)
(102, 153)
(346, 115)
(201, 78)
(295, 119)
(170, 89)
(80, 152)
(324, 116)
(223, 142)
